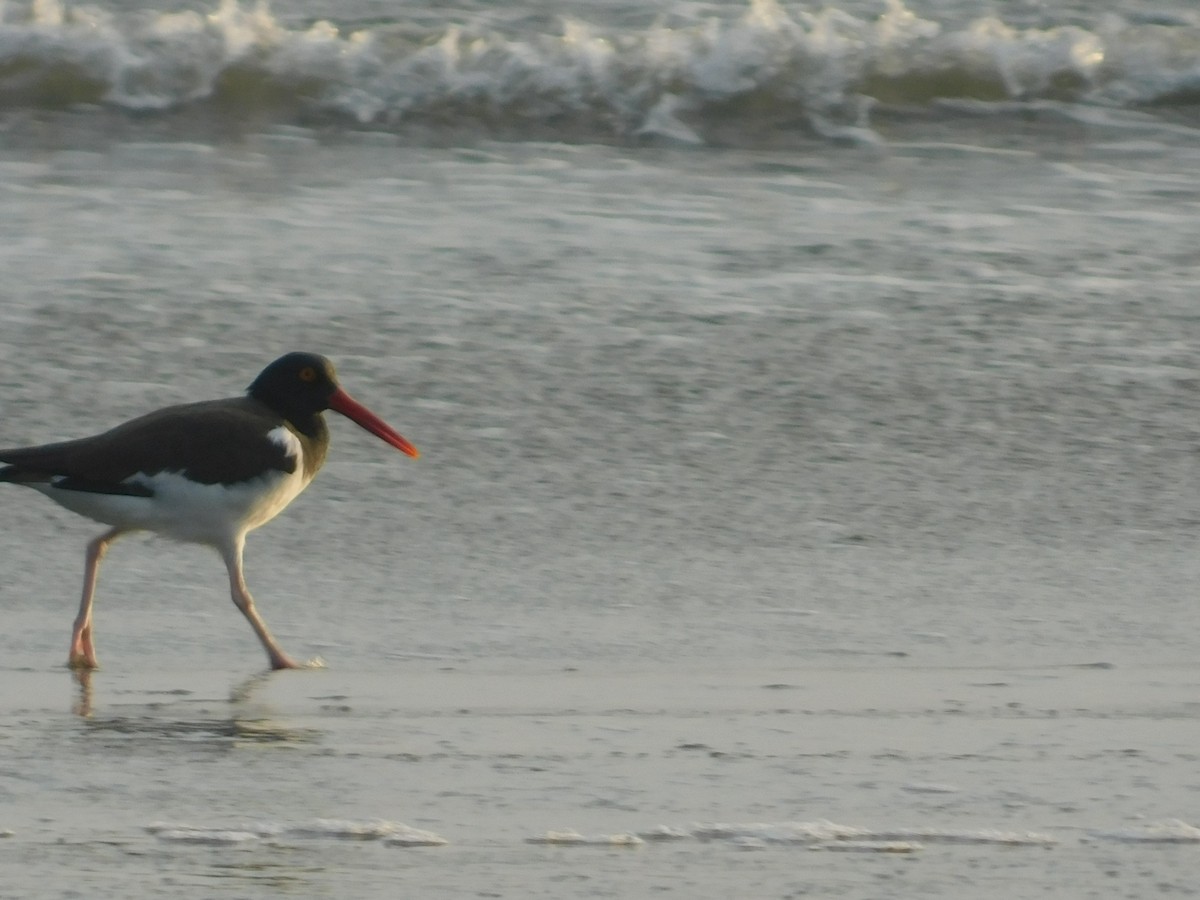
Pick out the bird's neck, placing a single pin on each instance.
(311, 425)
(314, 436)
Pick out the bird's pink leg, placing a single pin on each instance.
(232, 555)
(83, 651)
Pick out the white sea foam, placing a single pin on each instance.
(872, 846)
(404, 836)
(345, 829)
(923, 787)
(1171, 831)
(192, 834)
(574, 838)
(817, 835)
(766, 67)
(395, 834)
(825, 832)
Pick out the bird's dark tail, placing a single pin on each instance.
(17, 475)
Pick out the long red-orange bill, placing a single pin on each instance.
(356, 412)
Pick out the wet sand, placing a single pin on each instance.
(593, 782)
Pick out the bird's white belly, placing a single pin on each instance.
(185, 510)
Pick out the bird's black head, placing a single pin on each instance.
(298, 386)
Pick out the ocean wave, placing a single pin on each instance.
(772, 67)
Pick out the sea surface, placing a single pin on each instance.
(809, 498)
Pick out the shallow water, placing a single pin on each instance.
(589, 782)
(767, 505)
(774, 500)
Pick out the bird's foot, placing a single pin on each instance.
(83, 650)
(82, 659)
(286, 662)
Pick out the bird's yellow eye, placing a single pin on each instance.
(308, 374)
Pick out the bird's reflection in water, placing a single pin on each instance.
(178, 715)
(83, 700)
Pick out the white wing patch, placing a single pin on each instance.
(289, 442)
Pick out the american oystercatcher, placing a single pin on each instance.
(205, 473)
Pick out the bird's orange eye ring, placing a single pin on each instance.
(308, 374)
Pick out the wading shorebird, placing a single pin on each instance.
(205, 473)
